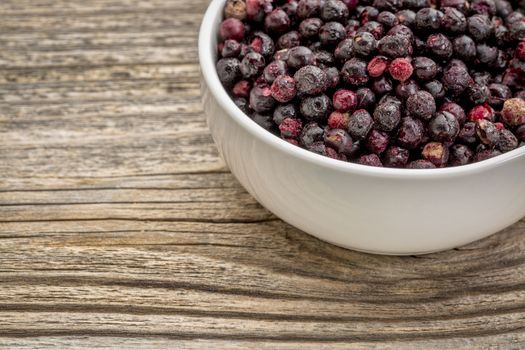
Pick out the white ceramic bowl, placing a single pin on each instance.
(378, 210)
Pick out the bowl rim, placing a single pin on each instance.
(207, 36)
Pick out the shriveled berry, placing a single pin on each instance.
(507, 141)
(499, 93)
(273, 70)
(440, 46)
(377, 141)
(487, 132)
(242, 104)
(289, 40)
(487, 7)
(338, 120)
(406, 17)
(339, 140)
(400, 69)
(424, 68)
(453, 20)
(364, 44)
(334, 10)
(395, 46)
(480, 112)
(478, 94)
(365, 98)
(300, 56)
(331, 33)
(461, 5)
(242, 88)
(370, 160)
(444, 127)
(308, 8)
(513, 112)
(387, 116)
(290, 128)
(263, 120)
(467, 134)
(377, 66)
(486, 154)
(479, 27)
(354, 72)
(252, 65)
(310, 134)
(402, 30)
(406, 89)
(332, 76)
(460, 155)
(436, 89)
(428, 19)
(436, 153)
(455, 78)
(517, 30)
(359, 124)
(229, 71)
(261, 100)
(315, 108)
(284, 111)
(421, 164)
(344, 50)
(235, 9)
(374, 28)
(410, 133)
(231, 48)
(421, 105)
(311, 80)
(231, 28)
(283, 88)
(387, 19)
(309, 27)
(464, 48)
(382, 85)
(395, 157)
(344, 100)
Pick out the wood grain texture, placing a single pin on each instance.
(120, 227)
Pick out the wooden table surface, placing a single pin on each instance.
(121, 228)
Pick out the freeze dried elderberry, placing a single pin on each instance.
(419, 84)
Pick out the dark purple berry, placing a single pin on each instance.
(231, 48)
(478, 94)
(382, 85)
(309, 27)
(387, 19)
(374, 28)
(410, 133)
(421, 164)
(377, 141)
(507, 141)
(231, 28)
(395, 46)
(464, 48)
(517, 30)
(424, 68)
(300, 56)
(455, 78)
(487, 55)
(311, 80)
(339, 140)
(467, 134)
(387, 116)
(479, 27)
(428, 19)
(263, 120)
(421, 105)
(453, 20)
(444, 127)
(344, 50)
(277, 21)
(487, 7)
(273, 70)
(486, 154)
(315, 108)
(261, 100)
(263, 44)
(289, 40)
(370, 160)
(242, 103)
(406, 89)
(310, 134)
(252, 65)
(364, 44)
(229, 71)
(499, 93)
(520, 133)
(396, 157)
(331, 33)
(406, 17)
(402, 30)
(440, 46)
(365, 98)
(354, 72)
(436, 89)
(454, 109)
(334, 10)
(308, 8)
(460, 155)
(487, 132)
(284, 111)
(359, 124)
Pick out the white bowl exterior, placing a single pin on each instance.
(383, 211)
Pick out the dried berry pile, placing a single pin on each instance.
(395, 83)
